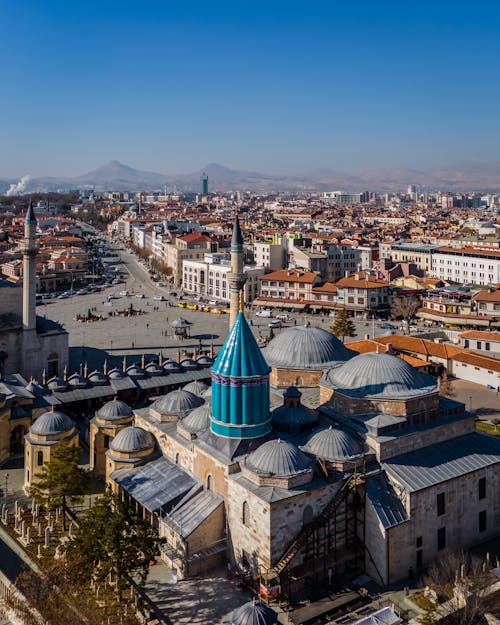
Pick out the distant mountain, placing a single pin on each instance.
(462, 176)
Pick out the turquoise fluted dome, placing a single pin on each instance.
(240, 386)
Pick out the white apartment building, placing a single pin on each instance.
(270, 254)
(209, 277)
(468, 265)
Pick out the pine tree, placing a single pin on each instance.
(113, 538)
(343, 326)
(61, 479)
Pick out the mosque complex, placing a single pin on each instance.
(377, 480)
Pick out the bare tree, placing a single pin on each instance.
(405, 307)
(459, 581)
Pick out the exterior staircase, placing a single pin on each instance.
(305, 533)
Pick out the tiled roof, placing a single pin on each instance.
(480, 334)
(362, 281)
(291, 275)
(484, 362)
(487, 296)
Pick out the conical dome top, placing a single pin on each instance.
(254, 613)
(240, 356)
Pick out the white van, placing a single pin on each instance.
(263, 313)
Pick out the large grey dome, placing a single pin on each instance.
(198, 420)
(114, 409)
(196, 387)
(304, 347)
(332, 444)
(254, 613)
(52, 423)
(178, 403)
(279, 458)
(132, 439)
(380, 376)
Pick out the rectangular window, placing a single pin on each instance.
(482, 521)
(441, 536)
(419, 558)
(482, 488)
(440, 504)
(419, 542)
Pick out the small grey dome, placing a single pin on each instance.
(333, 444)
(52, 423)
(132, 439)
(304, 347)
(196, 387)
(116, 374)
(97, 378)
(292, 417)
(114, 410)
(292, 391)
(178, 403)
(77, 381)
(254, 613)
(135, 371)
(153, 368)
(379, 376)
(171, 365)
(279, 458)
(204, 361)
(57, 384)
(198, 420)
(207, 395)
(189, 364)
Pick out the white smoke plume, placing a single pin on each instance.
(20, 187)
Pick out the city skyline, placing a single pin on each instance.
(280, 88)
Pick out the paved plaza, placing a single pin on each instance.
(149, 333)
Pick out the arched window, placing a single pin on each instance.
(106, 441)
(28, 476)
(298, 381)
(52, 365)
(245, 513)
(176, 458)
(39, 458)
(209, 482)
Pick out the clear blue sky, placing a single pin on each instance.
(264, 85)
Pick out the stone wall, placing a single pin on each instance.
(294, 377)
(461, 520)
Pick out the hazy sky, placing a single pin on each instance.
(264, 85)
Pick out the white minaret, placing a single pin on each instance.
(237, 277)
(30, 250)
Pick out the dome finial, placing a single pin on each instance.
(105, 367)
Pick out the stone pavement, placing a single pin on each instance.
(485, 402)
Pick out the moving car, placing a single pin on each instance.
(386, 326)
(160, 298)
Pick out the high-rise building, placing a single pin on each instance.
(204, 185)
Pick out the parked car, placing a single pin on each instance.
(386, 326)
(263, 313)
(160, 298)
(140, 295)
(274, 324)
(124, 293)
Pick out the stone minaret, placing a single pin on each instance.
(30, 250)
(236, 278)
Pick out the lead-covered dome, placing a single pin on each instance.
(178, 403)
(379, 376)
(304, 347)
(333, 444)
(50, 423)
(131, 440)
(278, 458)
(114, 410)
(196, 387)
(254, 613)
(197, 420)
